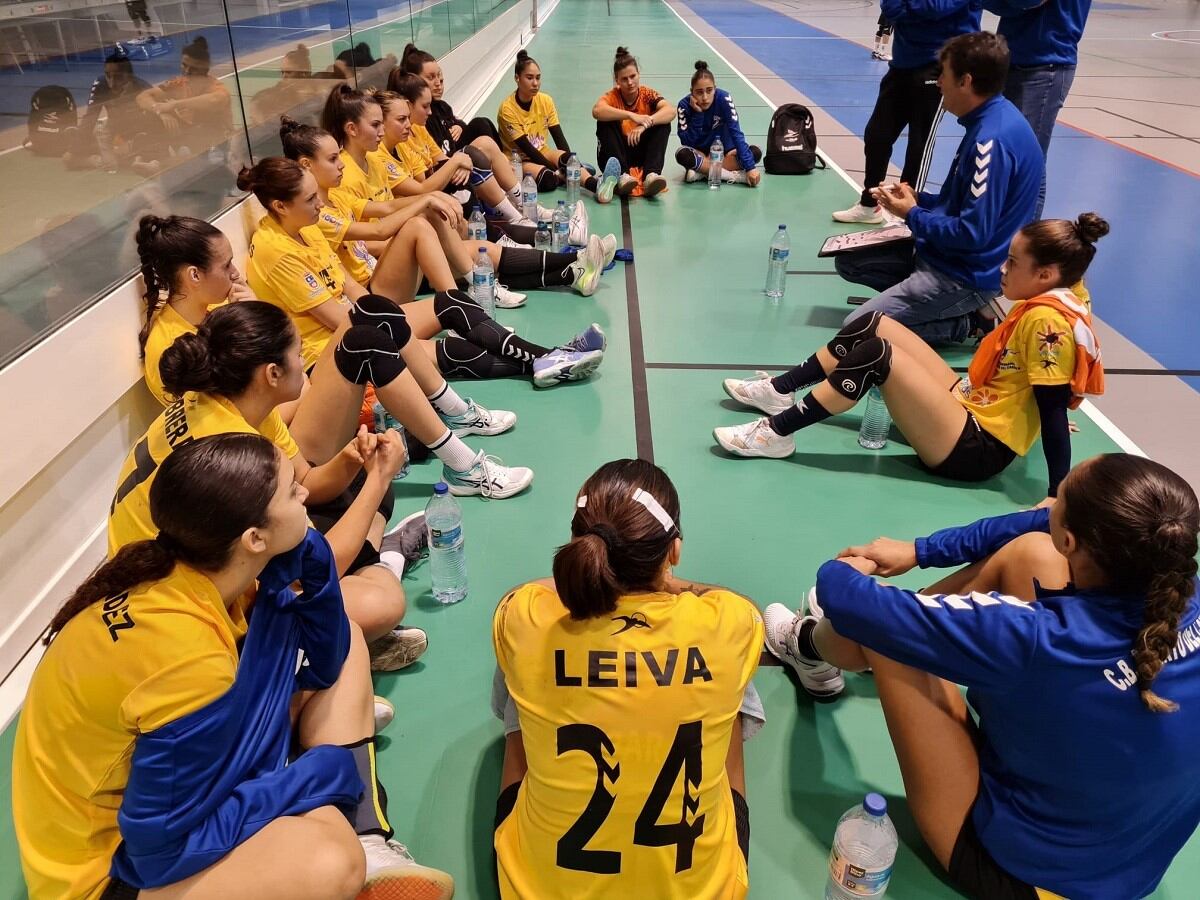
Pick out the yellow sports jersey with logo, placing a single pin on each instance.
(334, 221)
(122, 667)
(358, 188)
(534, 123)
(195, 416)
(167, 325)
(626, 721)
(1040, 351)
(296, 276)
(420, 151)
(394, 169)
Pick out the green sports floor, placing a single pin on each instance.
(687, 314)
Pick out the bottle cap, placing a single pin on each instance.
(875, 804)
(562, 202)
(783, 228)
(483, 251)
(441, 488)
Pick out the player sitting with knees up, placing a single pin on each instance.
(195, 755)
(633, 125)
(707, 115)
(1074, 630)
(615, 667)
(528, 119)
(1041, 361)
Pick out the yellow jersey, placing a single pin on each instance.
(626, 721)
(166, 326)
(1040, 351)
(358, 188)
(296, 276)
(394, 170)
(120, 668)
(195, 416)
(334, 221)
(420, 151)
(534, 123)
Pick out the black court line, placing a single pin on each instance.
(637, 352)
(783, 367)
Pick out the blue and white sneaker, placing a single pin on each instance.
(591, 338)
(608, 182)
(479, 420)
(561, 364)
(488, 477)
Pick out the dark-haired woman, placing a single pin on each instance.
(528, 119)
(705, 115)
(625, 692)
(165, 767)
(1075, 631)
(1042, 360)
(450, 132)
(633, 125)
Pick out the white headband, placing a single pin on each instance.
(647, 500)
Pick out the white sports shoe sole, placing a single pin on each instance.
(733, 388)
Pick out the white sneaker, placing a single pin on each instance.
(625, 185)
(384, 713)
(691, 175)
(578, 235)
(609, 243)
(588, 266)
(818, 678)
(489, 478)
(480, 420)
(544, 214)
(653, 185)
(392, 873)
(506, 299)
(505, 241)
(755, 439)
(398, 649)
(733, 177)
(758, 393)
(860, 215)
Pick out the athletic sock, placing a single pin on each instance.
(456, 311)
(807, 373)
(522, 234)
(450, 449)
(446, 401)
(370, 816)
(807, 412)
(804, 641)
(393, 561)
(459, 358)
(508, 211)
(531, 269)
(589, 182)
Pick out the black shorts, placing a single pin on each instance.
(977, 455)
(976, 874)
(741, 814)
(325, 516)
(119, 890)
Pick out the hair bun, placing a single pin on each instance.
(287, 124)
(522, 55)
(621, 51)
(1090, 227)
(201, 41)
(701, 65)
(245, 179)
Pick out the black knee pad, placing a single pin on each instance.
(853, 333)
(756, 152)
(381, 313)
(686, 157)
(867, 365)
(366, 355)
(456, 311)
(546, 180)
(479, 159)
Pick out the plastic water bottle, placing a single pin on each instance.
(864, 848)
(483, 283)
(477, 226)
(529, 204)
(447, 556)
(542, 239)
(574, 174)
(560, 238)
(777, 260)
(876, 421)
(517, 168)
(383, 421)
(716, 162)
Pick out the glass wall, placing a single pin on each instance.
(112, 110)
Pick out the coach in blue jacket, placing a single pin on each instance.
(936, 284)
(908, 94)
(1043, 38)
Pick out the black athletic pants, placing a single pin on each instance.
(907, 98)
(649, 154)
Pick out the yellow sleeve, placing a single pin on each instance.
(1048, 345)
(509, 120)
(551, 112)
(744, 626)
(347, 199)
(277, 433)
(333, 226)
(512, 601)
(297, 288)
(156, 343)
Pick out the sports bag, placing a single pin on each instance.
(792, 142)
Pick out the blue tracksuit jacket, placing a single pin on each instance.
(699, 129)
(922, 26)
(1041, 33)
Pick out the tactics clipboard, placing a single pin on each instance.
(863, 240)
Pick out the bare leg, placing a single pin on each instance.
(414, 250)
(374, 600)
(501, 166)
(327, 416)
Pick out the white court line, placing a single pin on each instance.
(1103, 422)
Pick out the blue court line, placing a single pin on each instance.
(1142, 279)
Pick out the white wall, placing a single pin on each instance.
(75, 404)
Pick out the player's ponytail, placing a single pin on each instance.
(164, 246)
(343, 106)
(626, 521)
(1069, 245)
(299, 139)
(271, 179)
(623, 59)
(408, 86)
(204, 496)
(1138, 521)
(413, 59)
(702, 72)
(228, 348)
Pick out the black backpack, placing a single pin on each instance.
(52, 120)
(792, 142)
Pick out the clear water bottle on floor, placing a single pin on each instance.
(447, 553)
(864, 848)
(517, 168)
(383, 421)
(716, 162)
(529, 198)
(483, 283)
(876, 421)
(574, 174)
(477, 226)
(777, 262)
(542, 238)
(560, 237)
